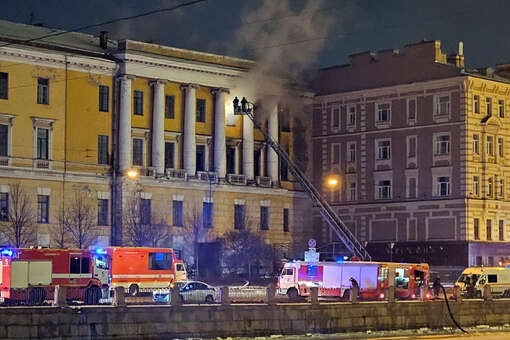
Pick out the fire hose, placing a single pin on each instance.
(450, 311)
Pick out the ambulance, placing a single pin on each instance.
(333, 279)
(473, 280)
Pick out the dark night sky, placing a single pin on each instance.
(355, 25)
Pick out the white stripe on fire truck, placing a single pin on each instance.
(143, 276)
(71, 276)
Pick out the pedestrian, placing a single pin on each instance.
(436, 286)
(354, 283)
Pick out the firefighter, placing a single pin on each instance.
(436, 286)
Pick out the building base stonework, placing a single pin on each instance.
(156, 322)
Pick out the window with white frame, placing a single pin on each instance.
(4, 140)
(502, 188)
(384, 190)
(442, 145)
(443, 105)
(489, 186)
(488, 106)
(352, 191)
(335, 153)
(383, 113)
(352, 115)
(383, 150)
(501, 108)
(335, 117)
(443, 186)
(476, 186)
(476, 104)
(138, 151)
(43, 143)
(352, 152)
(476, 143)
(500, 147)
(490, 149)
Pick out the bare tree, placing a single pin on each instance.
(60, 231)
(80, 220)
(143, 229)
(20, 230)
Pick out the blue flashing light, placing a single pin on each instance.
(6, 252)
(346, 258)
(339, 259)
(100, 251)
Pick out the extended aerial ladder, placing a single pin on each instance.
(335, 223)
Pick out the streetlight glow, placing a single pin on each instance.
(132, 173)
(332, 181)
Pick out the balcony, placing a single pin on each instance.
(177, 174)
(4, 161)
(42, 164)
(236, 179)
(151, 172)
(265, 182)
(207, 176)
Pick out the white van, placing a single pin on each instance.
(473, 280)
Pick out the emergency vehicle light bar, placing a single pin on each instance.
(100, 251)
(6, 252)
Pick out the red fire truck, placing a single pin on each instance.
(333, 279)
(30, 275)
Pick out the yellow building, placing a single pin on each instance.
(77, 113)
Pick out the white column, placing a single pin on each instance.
(190, 147)
(125, 123)
(158, 126)
(272, 157)
(248, 147)
(220, 156)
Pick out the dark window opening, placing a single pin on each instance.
(177, 213)
(104, 98)
(207, 212)
(102, 149)
(239, 216)
(286, 220)
(4, 85)
(169, 155)
(138, 103)
(231, 160)
(200, 158)
(264, 218)
(200, 110)
(169, 107)
(43, 91)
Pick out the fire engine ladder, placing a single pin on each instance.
(335, 223)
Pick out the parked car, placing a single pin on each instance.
(190, 292)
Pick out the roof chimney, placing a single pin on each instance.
(103, 40)
(461, 48)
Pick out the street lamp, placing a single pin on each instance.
(133, 173)
(332, 181)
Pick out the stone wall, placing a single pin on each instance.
(240, 320)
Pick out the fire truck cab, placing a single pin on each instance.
(30, 275)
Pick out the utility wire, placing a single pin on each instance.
(82, 28)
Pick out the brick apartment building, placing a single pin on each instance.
(420, 145)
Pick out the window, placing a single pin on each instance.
(488, 106)
(476, 186)
(384, 150)
(177, 213)
(4, 206)
(501, 108)
(160, 261)
(207, 213)
(102, 212)
(286, 220)
(201, 110)
(443, 105)
(169, 155)
(104, 98)
(4, 85)
(79, 265)
(476, 104)
(42, 143)
(138, 151)
(352, 115)
(352, 191)
(231, 160)
(352, 152)
(443, 145)
(138, 102)
(257, 154)
(412, 147)
(500, 147)
(384, 190)
(501, 230)
(411, 187)
(383, 113)
(239, 216)
(4, 140)
(489, 187)
(264, 218)
(43, 208)
(169, 107)
(476, 149)
(335, 118)
(102, 149)
(43, 91)
(284, 168)
(145, 211)
(443, 186)
(489, 230)
(489, 145)
(335, 154)
(411, 109)
(200, 158)
(476, 228)
(502, 187)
